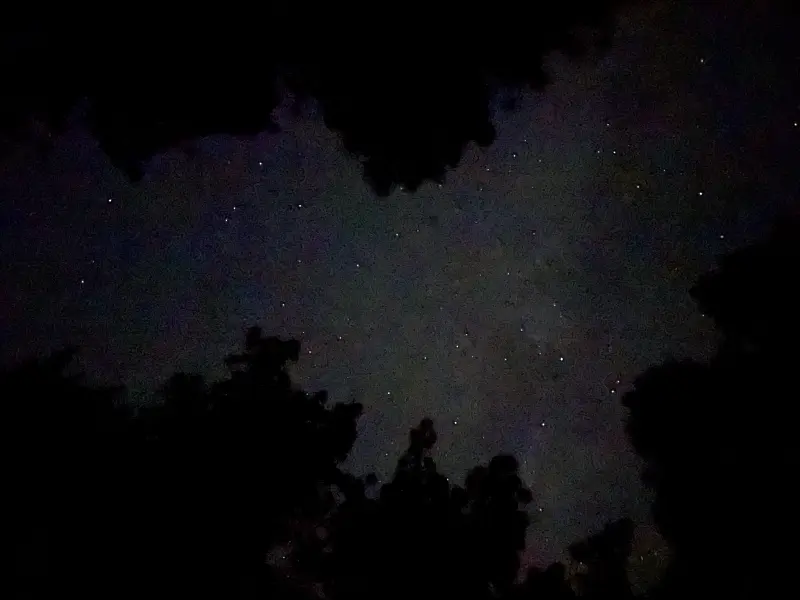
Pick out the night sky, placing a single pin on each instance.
(513, 305)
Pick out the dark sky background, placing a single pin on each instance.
(506, 304)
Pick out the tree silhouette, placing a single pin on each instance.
(547, 584)
(405, 96)
(190, 497)
(62, 436)
(421, 537)
(212, 477)
(718, 438)
(606, 556)
(425, 538)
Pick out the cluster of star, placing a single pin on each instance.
(360, 264)
(470, 351)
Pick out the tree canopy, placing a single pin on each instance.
(235, 489)
(717, 438)
(406, 87)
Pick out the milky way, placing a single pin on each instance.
(513, 305)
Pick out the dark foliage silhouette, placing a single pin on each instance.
(550, 583)
(405, 87)
(422, 538)
(191, 496)
(605, 555)
(718, 438)
(61, 436)
(182, 500)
